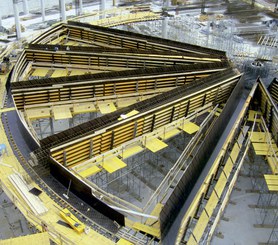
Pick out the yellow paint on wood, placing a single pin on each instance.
(84, 108)
(7, 109)
(190, 127)
(61, 112)
(262, 137)
(156, 211)
(33, 114)
(146, 229)
(155, 144)
(113, 164)
(59, 73)
(273, 164)
(130, 151)
(74, 223)
(125, 102)
(124, 242)
(271, 181)
(169, 134)
(90, 171)
(264, 148)
(130, 114)
(33, 239)
(106, 107)
(38, 72)
(77, 72)
(251, 116)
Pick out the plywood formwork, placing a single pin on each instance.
(181, 78)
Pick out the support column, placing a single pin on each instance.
(114, 3)
(63, 10)
(80, 7)
(25, 7)
(51, 126)
(17, 23)
(164, 27)
(43, 9)
(102, 8)
(1, 24)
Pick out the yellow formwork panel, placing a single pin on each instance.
(33, 239)
(146, 229)
(74, 223)
(7, 109)
(262, 137)
(124, 242)
(77, 72)
(61, 112)
(106, 107)
(84, 108)
(170, 134)
(131, 151)
(199, 229)
(273, 164)
(90, 171)
(219, 187)
(125, 102)
(264, 148)
(155, 145)
(213, 199)
(235, 152)
(251, 116)
(228, 167)
(38, 113)
(39, 72)
(271, 181)
(156, 211)
(113, 164)
(59, 73)
(129, 114)
(190, 127)
(71, 43)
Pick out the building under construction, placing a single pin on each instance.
(134, 139)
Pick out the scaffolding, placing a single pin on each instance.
(263, 175)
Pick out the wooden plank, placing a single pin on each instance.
(122, 241)
(39, 72)
(273, 164)
(35, 204)
(113, 164)
(260, 137)
(77, 72)
(190, 127)
(155, 145)
(264, 148)
(59, 73)
(33, 239)
(125, 102)
(33, 114)
(84, 108)
(272, 182)
(146, 229)
(74, 223)
(106, 107)
(90, 171)
(155, 212)
(251, 116)
(130, 151)
(169, 134)
(129, 114)
(61, 112)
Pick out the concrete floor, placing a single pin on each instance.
(237, 224)
(13, 223)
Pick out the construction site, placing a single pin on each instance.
(139, 122)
